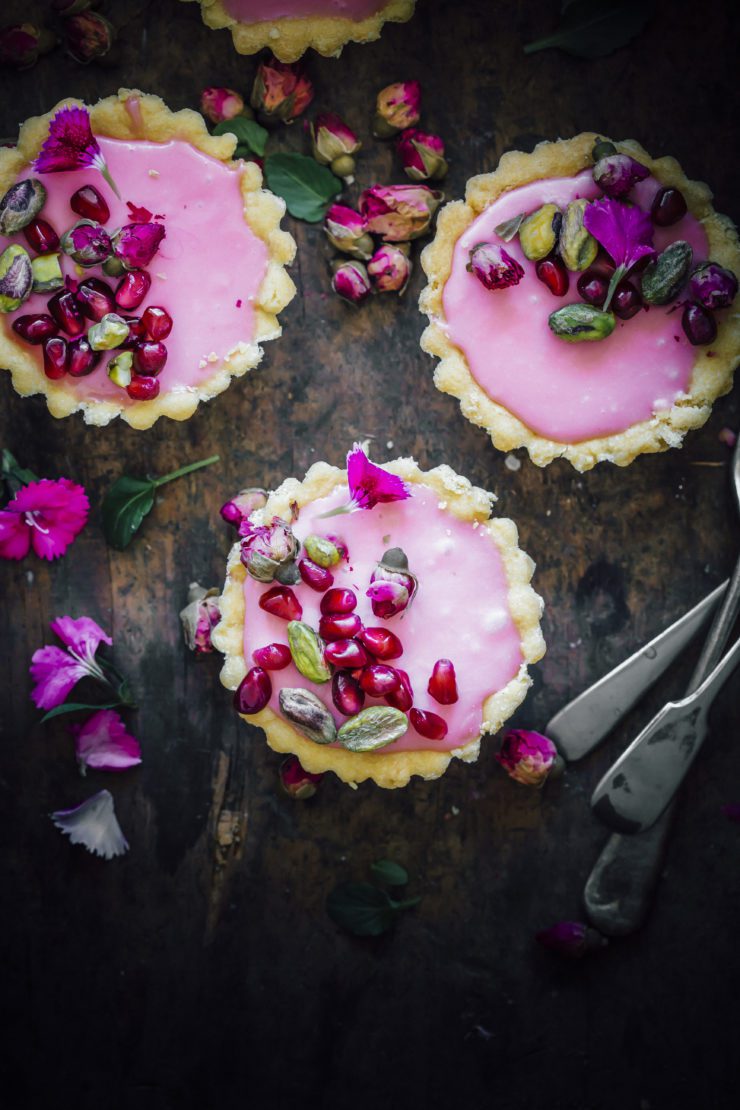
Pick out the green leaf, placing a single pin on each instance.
(594, 28)
(73, 707)
(361, 908)
(390, 873)
(14, 475)
(249, 134)
(125, 505)
(306, 187)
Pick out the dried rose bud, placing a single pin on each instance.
(713, 286)
(527, 756)
(390, 268)
(240, 507)
(265, 549)
(494, 267)
(346, 230)
(617, 173)
(22, 44)
(87, 243)
(333, 144)
(136, 244)
(351, 281)
(199, 617)
(422, 155)
(281, 91)
(570, 938)
(88, 36)
(396, 108)
(399, 212)
(297, 783)
(218, 105)
(392, 585)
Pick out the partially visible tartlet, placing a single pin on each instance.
(217, 271)
(435, 654)
(520, 368)
(290, 27)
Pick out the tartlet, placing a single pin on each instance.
(218, 272)
(291, 27)
(639, 390)
(474, 608)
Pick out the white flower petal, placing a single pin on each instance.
(94, 824)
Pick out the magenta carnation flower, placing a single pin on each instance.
(103, 743)
(55, 671)
(71, 145)
(46, 515)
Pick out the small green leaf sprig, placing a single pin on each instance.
(595, 28)
(130, 500)
(366, 909)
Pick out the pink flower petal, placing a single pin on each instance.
(55, 673)
(71, 144)
(369, 485)
(624, 230)
(103, 743)
(54, 511)
(15, 535)
(82, 635)
(93, 824)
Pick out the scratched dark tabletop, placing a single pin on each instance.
(201, 969)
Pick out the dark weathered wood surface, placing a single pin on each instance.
(201, 969)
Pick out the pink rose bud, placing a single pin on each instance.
(137, 244)
(346, 230)
(351, 281)
(218, 105)
(281, 91)
(422, 155)
(87, 36)
(399, 212)
(494, 267)
(21, 45)
(333, 145)
(297, 783)
(267, 550)
(240, 507)
(199, 617)
(396, 108)
(527, 756)
(570, 938)
(390, 268)
(392, 585)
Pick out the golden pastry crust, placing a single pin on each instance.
(710, 378)
(136, 115)
(290, 38)
(388, 769)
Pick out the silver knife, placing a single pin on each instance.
(585, 721)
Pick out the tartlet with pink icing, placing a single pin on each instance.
(580, 302)
(381, 642)
(158, 251)
(290, 27)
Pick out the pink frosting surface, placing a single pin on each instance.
(206, 273)
(460, 612)
(568, 392)
(254, 11)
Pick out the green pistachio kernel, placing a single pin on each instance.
(111, 332)
(321, 551)
(47, 273)
(663, 278)
(579, 323)
(308, 714)
(307, 650)
(578, 248)
(509, 228)
(603, 149)
(113, 266)
(16, 278)
(375, 727)
(538, 232)
(21, 204)
(119, 368)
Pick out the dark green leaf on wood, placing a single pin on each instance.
(125, 505)
(251, 137)
(594, 28)
(390, 873)
(74, 707)
(306, 187)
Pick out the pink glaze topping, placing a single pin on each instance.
(566, 391)
(255, 11)
(460, 611)
(206, 273)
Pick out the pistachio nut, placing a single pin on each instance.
(21, 204)
(16, 278)
(372, 728)
(110, 332)
(321, 551)
(509, 228)
(47, 273)
(663, 277)
(119, 369)
(578, 248)
(539, 232)
(307, 649)
(579, 323)
(308, 714)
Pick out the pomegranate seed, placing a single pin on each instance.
(157, 322)
(428, 725)
(318, 578)
(602, 266)
(254, 691)
(403, 697)
(136, 333)
(592, 287)
(64, 309)
(82, 358)
(35, 328)
(378, 680)
(345, 654)
(95, 299)
(149, 358)
(41, 236)
(383, 643)
(132, 288)
(142, 389)
(627, 301)
(273, 657)
(282, 602)
(346, 694)
(338, 601)
(339, 626)
(554, 275)
(668, 207)
(443, 684)
(88, 202)
(699, 325)
(55, 357)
